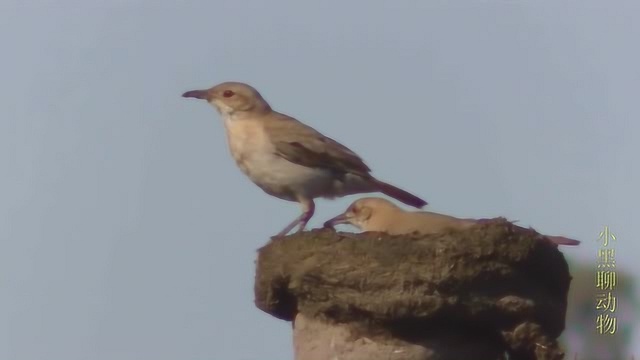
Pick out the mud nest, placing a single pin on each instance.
(505, 283)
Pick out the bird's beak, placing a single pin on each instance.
(198, 94)
(340, 219)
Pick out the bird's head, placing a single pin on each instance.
(362, 212)
(231, 97)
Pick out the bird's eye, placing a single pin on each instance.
(228, 93)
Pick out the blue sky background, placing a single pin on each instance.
(127, 232)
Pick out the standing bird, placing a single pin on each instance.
(375, 214)
(288, 159)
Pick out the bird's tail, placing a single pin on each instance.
(399, 194)
(561, 240)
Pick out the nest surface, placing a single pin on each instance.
(496, 277)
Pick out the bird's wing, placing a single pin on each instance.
(436, 222)
(305, 146)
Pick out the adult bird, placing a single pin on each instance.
(288, 159)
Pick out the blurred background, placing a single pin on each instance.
(127, 232)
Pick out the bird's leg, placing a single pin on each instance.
(308, 207)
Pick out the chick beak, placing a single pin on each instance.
(340, 219)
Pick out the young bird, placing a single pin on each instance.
(288, 159)
(376, 214)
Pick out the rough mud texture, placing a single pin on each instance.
(487, 290)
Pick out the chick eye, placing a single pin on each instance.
(228, 93)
